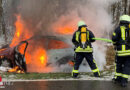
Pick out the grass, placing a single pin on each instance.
(32, 76)
(35, 76)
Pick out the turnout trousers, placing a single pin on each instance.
(122, 68)
(89, 58)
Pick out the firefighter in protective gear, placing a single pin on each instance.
(121, 39)
(82, 39)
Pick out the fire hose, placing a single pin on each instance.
(103, 39)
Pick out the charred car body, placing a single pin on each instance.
(14, 57)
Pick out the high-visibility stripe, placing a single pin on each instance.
(75, 71)
(88, 49)
(96, 70)
(125, 54)
(77, 36)
(118, 74)
(126, 51)
(115, 71)
(123, 48)
(125, 76)
(122, 75)
(123, 32)
(84, 51)
(123, 36)
(114, 34)
(88, 35)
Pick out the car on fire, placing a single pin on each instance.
(14, 57)
(58, 51)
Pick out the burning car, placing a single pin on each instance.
(15, 56)
(31, 56)
(37, 52)
(45, 53)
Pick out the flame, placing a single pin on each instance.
(36, 55)
(18, 34)
(66, 30)
(2, 49)
(20, 71)
(21, 48)
(13, 69)
(42, 59)
(66, 24)
(41, 56)
(38, 60)
(16, 69)
(28, 58)
(21, 33)
(71, 63)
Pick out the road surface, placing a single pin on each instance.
(65, 85)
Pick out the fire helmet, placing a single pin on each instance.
(81, 23)
(125, 18)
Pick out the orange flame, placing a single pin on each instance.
(20, 71)
(18, 34)
(37, 58)
(41, 56)
(21, 33)
(42, 59)
(71, 63)
(16, 69)
(66, 25)
(13, 69)
(66, 30)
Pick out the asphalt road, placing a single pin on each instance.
(66, 85)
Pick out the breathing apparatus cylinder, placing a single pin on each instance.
(83, 37)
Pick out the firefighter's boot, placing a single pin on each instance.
(75, 75)
(96, 74)
(117, 80)
(124, 82)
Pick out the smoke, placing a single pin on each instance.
(98, 18)
(60, 18)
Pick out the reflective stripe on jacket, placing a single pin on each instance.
(122, 47)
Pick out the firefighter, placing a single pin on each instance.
(121, 39)
(82, 39)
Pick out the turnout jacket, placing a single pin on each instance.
(121, 38)
(77, 41)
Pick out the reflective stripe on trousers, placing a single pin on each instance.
(74, 71)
